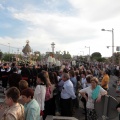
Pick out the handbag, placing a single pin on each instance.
(55, 91)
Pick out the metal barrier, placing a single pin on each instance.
(106, 109)
(49, 117)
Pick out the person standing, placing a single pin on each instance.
(74, 81)
(15, 111)
(67, 94)
(14, 78)
(5, 71)
(117, 70)
(83, 79)
(84, 85)
(40, 92)
(94, 94)
(25, 72)
(105, 80)
(31, 106)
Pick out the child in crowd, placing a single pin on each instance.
(32, 108)
(15, 111)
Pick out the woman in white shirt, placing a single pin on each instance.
(40, 91)
(94, 93)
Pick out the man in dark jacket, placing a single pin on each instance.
(14, 78)
(26, 74)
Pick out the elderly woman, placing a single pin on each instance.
(94, 93)
(32, 108)
(15, 111)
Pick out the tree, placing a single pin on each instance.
(66, 56)
(96, 56)
(101, 59)
(7, 57)
(1, 54)
(116, 57)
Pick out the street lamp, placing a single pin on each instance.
(9, 52)
(89, 51)
(112, 41)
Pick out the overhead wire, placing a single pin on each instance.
(10, 46)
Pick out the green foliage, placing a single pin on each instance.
(7, 57)
(20, 56)
(63, 55)
(101, 59)
(116, 57)
(39, 58)
(96, 56)
(1, 54)
(66, 56)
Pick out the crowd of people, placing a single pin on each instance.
(33, 92)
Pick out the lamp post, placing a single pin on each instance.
(89, 51)
(9, 52)
(112, 41)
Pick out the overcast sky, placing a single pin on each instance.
(70, 24)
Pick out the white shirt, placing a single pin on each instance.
(39, 95)
(58, 78)
(83, 82)
(90, 102)
(117, 67)
(68, 90)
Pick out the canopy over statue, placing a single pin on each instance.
(27, 49)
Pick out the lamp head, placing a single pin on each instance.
(102, 29)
